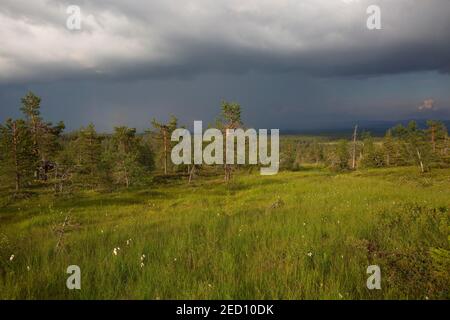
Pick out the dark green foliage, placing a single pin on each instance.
(372, 155)
(339, 159)
(230, 118)
(17, 157)
(87, 152)
(126, 161)
(44, 136)
(437, 135)
(415, 149)
(163, 134)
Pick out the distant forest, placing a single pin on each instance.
(35, 153)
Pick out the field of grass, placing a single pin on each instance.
(297, 235)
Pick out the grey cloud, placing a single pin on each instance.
(167, 38)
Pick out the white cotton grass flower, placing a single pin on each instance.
(142, 264)
(128, 242)
(28, 268)
(116, 251)
(143, 257)
(12, 257)
(310, 254)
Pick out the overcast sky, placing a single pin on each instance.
(292, 64)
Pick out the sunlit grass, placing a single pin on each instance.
(303, 235)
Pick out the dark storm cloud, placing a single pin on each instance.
(168, 38)
(294, 64)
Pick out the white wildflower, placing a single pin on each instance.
(11, 258)
(310, 254)
(28, 268)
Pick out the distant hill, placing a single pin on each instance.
(377, 128)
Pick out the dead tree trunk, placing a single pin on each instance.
(165, 149)
(16, 158)
(419, 157)
(433, 138)
(354, 148)
(191, 173)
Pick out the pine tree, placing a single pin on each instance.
(317, 151)
(17, 153)
(164, 133)
(126, 166)
(415, 148)
(372, 156)
(391, 150)
(340, 157)
(230, 119)
(88, 152)
(438, 137)
(44, 135)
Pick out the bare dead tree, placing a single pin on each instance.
(354, 148)
(61, 231)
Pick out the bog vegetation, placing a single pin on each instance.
(140, 227)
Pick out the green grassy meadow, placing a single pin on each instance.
(309, 234)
